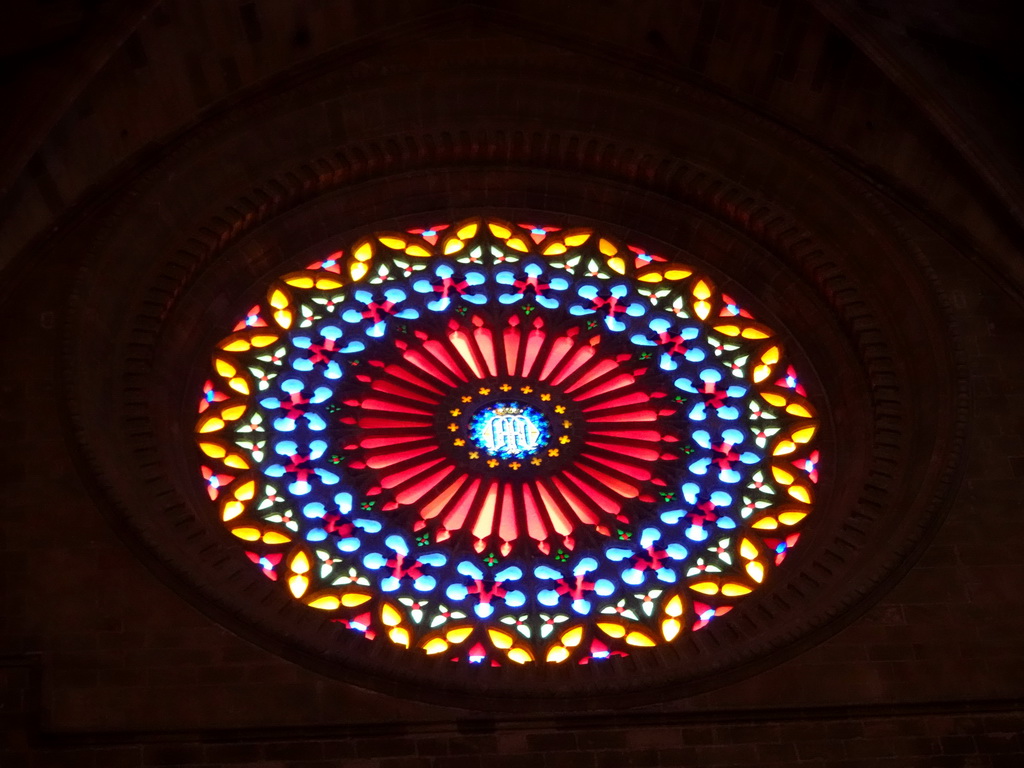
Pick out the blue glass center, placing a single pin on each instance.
(509, 430)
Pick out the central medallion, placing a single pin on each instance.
(509, 430)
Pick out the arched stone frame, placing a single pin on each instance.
(799, 271)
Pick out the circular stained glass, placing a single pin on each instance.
(500, 443)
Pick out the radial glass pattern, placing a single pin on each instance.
(505, 443)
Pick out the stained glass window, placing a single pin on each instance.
(508, 443)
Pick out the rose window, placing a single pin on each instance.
(500, 443)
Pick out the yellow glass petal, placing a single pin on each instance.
(557, 654)
(305, 282)
(325, 603)
(468, 231)
(783, 447)
(747, 549)
(577, 239)
(263, 339)
(767, 524)
(352, 599)
(798, 410)
(392, 242)
(617, 264)
(275, 537)
(680, 274)
(213, 450)
(328, 283)
(239, 385)
(390, 615)
(773, 398)
(247, 534)
(458, 634)
(453, 246)
(520, 655)
(613, 630)
(555, 249)
(606, 247)
(782, 475)
(728, 330)
(516, 243)
(651, 277)
(300, 563)
(755, 570)
(791, 518)
(224, 368)
(640, 639)
(800, 493)
(670, 629)
(499, 638)
(278, 299)
(232, 412)
(573, 637)
(701, 290)
(236, 345)
(298, 585)
(358, 270)
(246, 490)
(435, 645)
(235, 462)
(363, 251)
(211, 424)
(735, 590)
(674, 607)
(283, 318)
(399, 636)
(497, 230)
(705, 588)
(418, 251)
(804, 434)
(232, 509)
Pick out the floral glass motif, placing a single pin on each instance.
(497, 442)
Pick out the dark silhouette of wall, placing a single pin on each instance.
(241, 133)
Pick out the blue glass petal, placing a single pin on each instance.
(512, 573)
(467, 568)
